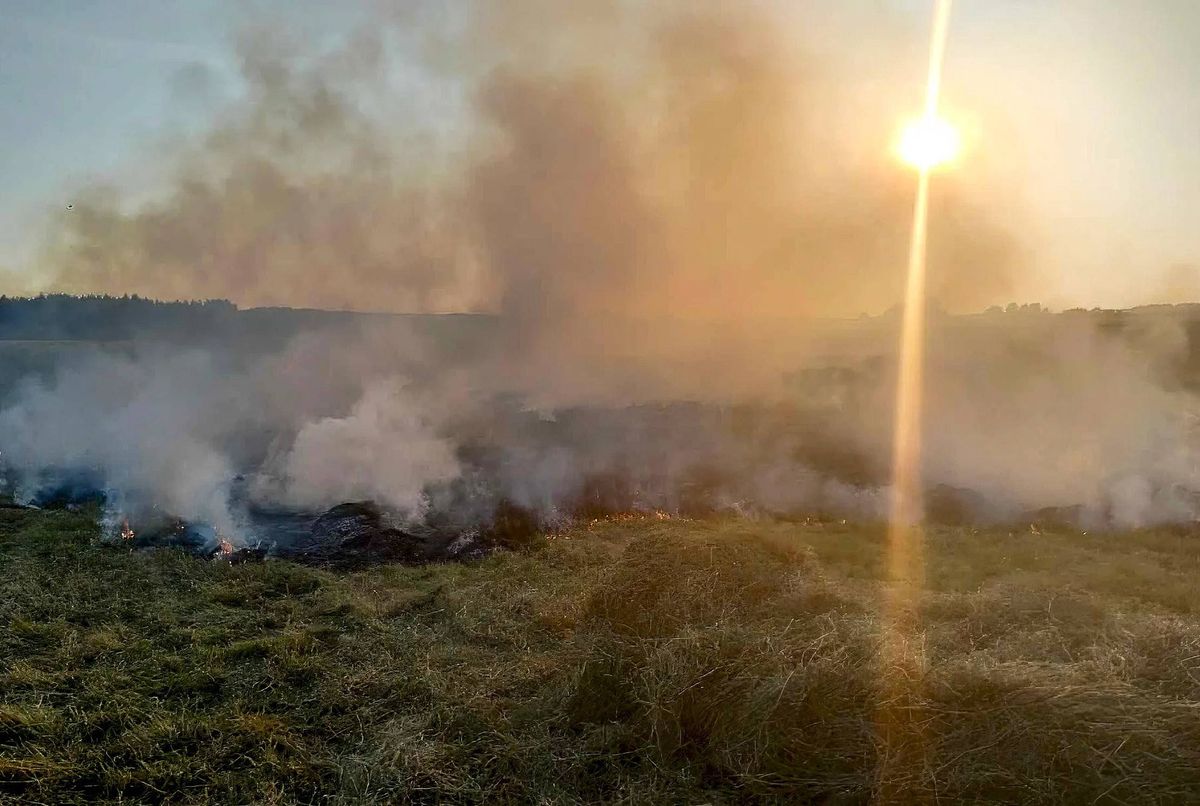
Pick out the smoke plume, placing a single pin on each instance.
(671, 209)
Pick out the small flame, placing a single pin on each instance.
(127, 532)
(636, 517)
(224, 548)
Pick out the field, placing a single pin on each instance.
(638, 661)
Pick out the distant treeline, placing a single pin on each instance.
(64, 317)
(105, 318)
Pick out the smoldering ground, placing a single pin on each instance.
(1028, 413)
(660, 208)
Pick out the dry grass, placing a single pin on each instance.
(633, 662)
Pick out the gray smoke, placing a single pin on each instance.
(659, 206)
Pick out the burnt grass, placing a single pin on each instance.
(623, 662)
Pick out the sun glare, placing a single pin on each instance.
(927, 142)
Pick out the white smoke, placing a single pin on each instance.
(383, 450)
(172, 429)
(1022, 414)
(146, 424)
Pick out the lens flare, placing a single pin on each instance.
(929, 142)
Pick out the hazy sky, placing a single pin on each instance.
(1090, 106)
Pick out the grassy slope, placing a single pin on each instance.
(623, 662)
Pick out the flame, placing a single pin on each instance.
(127, 532)
(224, 548)
(636, 517)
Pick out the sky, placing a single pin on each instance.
(89, 84)
(1089, 107)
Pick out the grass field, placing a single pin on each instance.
(624, 662)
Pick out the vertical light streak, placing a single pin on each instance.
(906, 504)
(903, 747)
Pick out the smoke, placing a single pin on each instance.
(1056, 412)
(383, 451)
(1089, 416)
(671, 208)
(172, 428)
(686, 160)
(144, 424)
(616, 179)
(293, 197)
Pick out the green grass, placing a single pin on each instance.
(633, 662)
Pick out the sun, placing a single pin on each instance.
(928, 142)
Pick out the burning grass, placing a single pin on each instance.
(636, 661)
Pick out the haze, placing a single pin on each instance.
(1080, 119)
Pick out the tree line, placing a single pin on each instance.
(108, 318)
